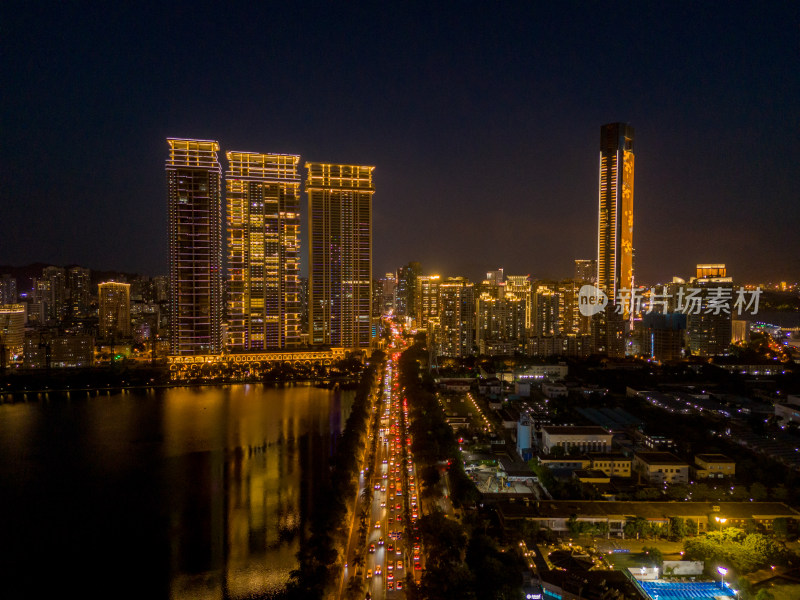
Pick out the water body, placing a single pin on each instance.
(178, 493)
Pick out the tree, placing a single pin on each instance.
(780, 493)
(677, 528)
(758, 491)
(765, 594)
(655, 555)
(780, 528)
(691, 527)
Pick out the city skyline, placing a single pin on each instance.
(454, 122)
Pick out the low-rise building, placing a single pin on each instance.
(714, 466)
(581, 438)
(555, 514)
(613, 465)
(555, 390)
(660, 467)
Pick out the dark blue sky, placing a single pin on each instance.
(483, 123)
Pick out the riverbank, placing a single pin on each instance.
(19, 385)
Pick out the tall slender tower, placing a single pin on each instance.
(263, 209)
(615, 235)
(615, 229)
(340, 260)
(195, 246)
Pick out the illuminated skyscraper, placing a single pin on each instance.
(426, 299)
(615, 230)
(115, 310)
(12, 332)
(615, 234)
(195, 246)
(407, 289)
(79, 282)
(340, 260)
(456, 317)
(263, 209)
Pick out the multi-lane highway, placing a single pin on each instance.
(393, 554)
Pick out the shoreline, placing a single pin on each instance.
(11, 396)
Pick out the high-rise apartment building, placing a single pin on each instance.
(8, 289)
(456, 317)
(520, 286)
(263, 213)
(547, 317)
(500, 323)
(12, 332)
(586, 270)
(615, 228)
(80, 293)
(195, 246)
(340, 258)
(58, 306)
(115, 310)
(406, 289)
(426, 299)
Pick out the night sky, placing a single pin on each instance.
(483, 124)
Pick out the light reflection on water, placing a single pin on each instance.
(178, 493)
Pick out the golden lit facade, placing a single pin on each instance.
(115, 310)
(456, 317)
(426, 299)
(12, 332)
(194, 181)
(615, 230)
(263, 219)
(340, 258)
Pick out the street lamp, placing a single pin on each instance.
(722, 571)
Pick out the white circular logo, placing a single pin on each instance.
(591, 300)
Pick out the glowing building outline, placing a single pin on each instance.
(615, 218)
(194, 182)
(340, 256)
(263, 220)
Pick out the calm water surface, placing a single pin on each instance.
(178, 493)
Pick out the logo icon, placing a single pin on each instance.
(591, 300)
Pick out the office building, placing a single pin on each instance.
(589, 438)
(115, 310)
(614, 235)
(195, 246)
(615, 223)
(708, 323)
(660, 467)
(663, 335)
(263, 211)
(340, 258)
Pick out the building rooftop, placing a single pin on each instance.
(649, 510)
(576, 430)
(660, 458)
(715, 458)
